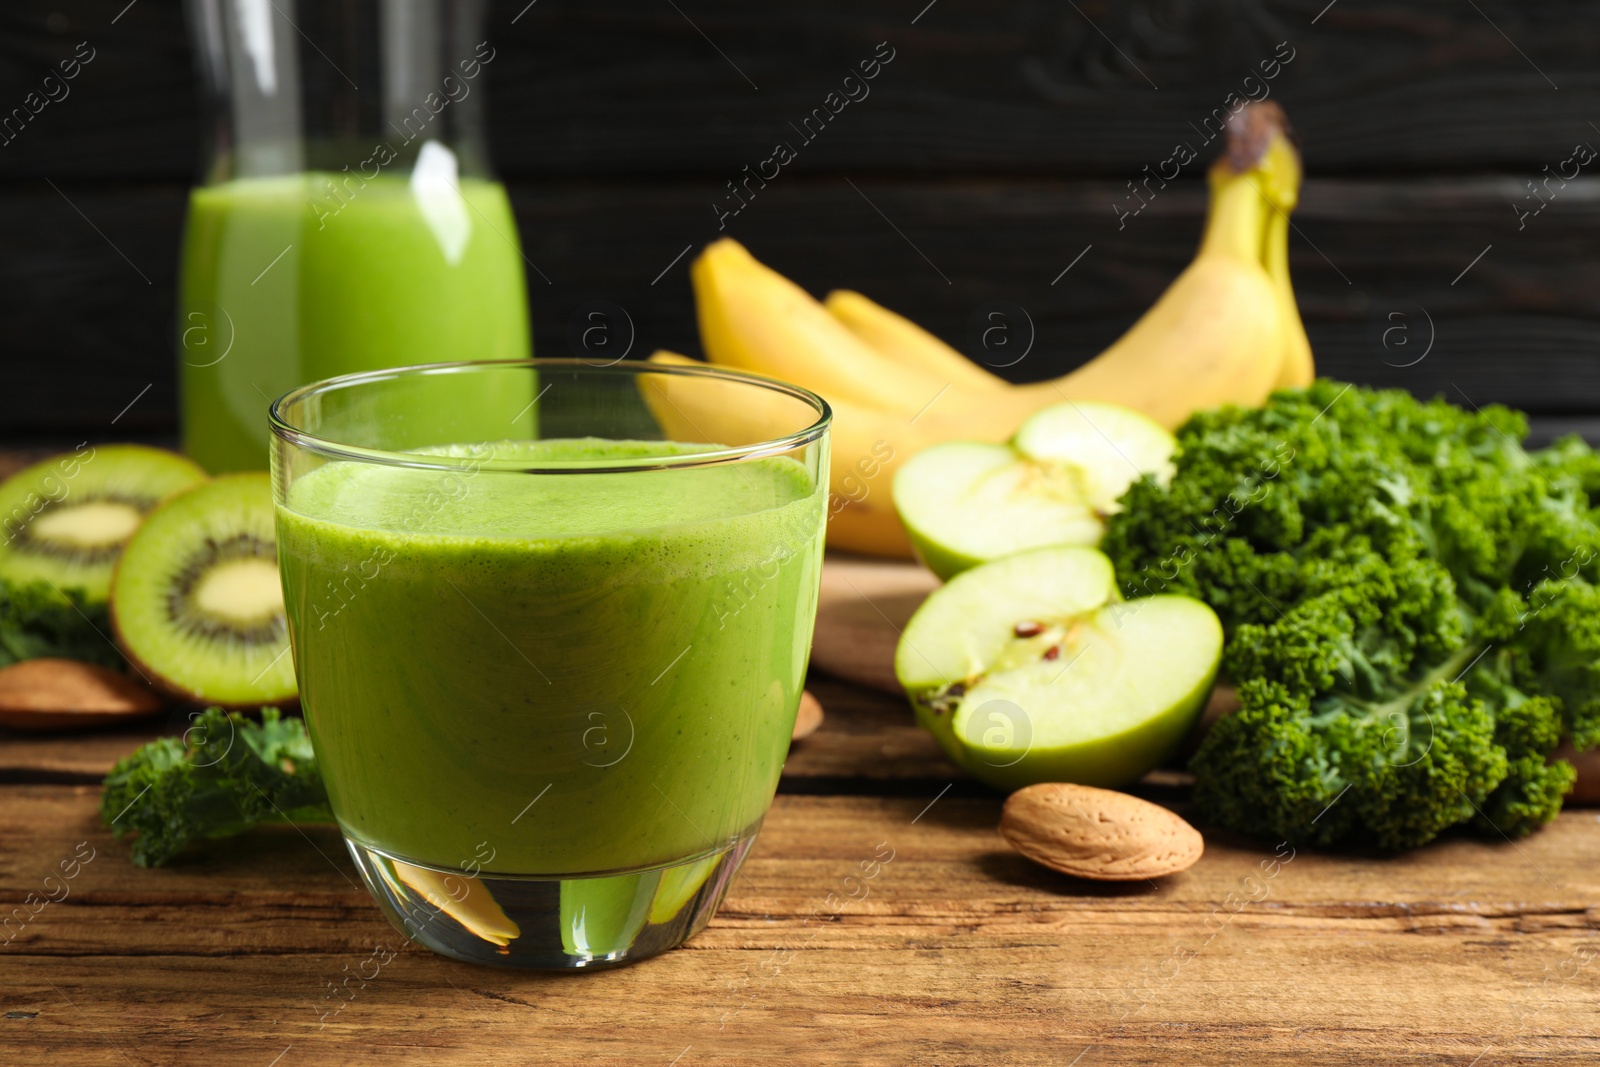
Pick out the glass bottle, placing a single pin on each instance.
(347, 218)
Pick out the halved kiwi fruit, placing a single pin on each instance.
(65, 519)
(196, 601)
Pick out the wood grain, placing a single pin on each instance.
(990, 154)
(862, 607)
(74, 757)
(1519, 327)
(957, 952)
(609, 88)
(996, 143)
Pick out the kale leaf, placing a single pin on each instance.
(225, 775)
(39, 620)
(1406, 593)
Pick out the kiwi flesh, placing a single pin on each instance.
(196, 601)
(65, 519)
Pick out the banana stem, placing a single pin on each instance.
(1253, 186)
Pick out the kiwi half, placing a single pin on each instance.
(196, 601)
(65, 519)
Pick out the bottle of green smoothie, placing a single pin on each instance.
(347, 220)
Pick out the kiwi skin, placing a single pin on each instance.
(223, 492)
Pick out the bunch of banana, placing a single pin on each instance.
(1226, 331)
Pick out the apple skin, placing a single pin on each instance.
(1108, 762)
(944, 562)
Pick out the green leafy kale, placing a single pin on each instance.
(225, 775)
(38, 620)
(1407, 599)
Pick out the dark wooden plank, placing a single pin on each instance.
(79, 757)
(609, 87)
(1521, 326)
(957, 952)
(89, 306)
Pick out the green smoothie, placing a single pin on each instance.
(295, 279)
(589, 673)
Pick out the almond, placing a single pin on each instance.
(1098, 833)
(1586, 790)
(808, 718)
(58, 694)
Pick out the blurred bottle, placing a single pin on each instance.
(348, 219)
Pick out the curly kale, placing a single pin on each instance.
(225, 775)
(38, 620)
(1409, 606)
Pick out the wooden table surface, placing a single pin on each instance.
(265, 950)
(957, 952)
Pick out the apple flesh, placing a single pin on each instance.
(967, 502)
(1030, 669)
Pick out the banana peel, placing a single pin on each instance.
(906, 343)
(1226, 315)
(1299, 368)
(753, 318)
(1282, 193)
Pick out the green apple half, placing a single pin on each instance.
(967, 502)
(1031, 669)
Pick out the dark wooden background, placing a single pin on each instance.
(987, 157)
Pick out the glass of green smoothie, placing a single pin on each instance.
(551, 622)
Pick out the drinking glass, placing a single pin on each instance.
(551, 623)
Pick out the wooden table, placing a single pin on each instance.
(957, 952)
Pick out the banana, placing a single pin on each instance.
(867, 448)
(1226, 331)
(1216, 336)
(1283, 162)
(906, 343)
(753, 318)
(1299, 369)
(868, 528)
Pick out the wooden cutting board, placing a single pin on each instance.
(864, 605)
